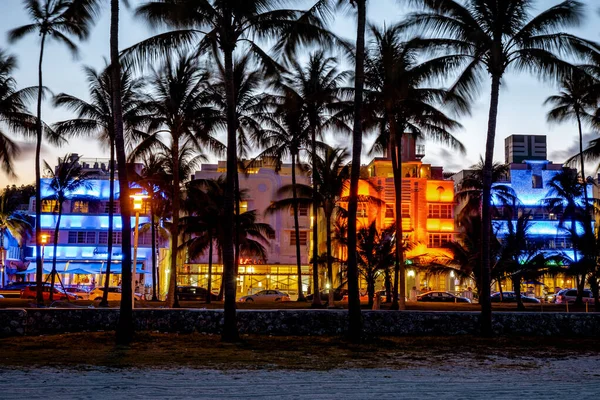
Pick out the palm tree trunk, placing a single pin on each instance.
(172, 294)
(354, 313)
(297, 230)
(579, 299)
(236, 237)
(230, 330)
(153, 232)
(53, 271)
(2, 257)
(210, 257)
(399, 296)
(517, 289)
(315, 228)
(125, 325)
(486, 222)
(109, 244)
(371, 289)
(329, 259)
(39, 270)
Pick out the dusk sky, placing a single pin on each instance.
(521, 102)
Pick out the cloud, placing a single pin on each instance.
(560, 156)
(452, 161)
(27, 151)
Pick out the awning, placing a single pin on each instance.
(32, 270)
(117, 270)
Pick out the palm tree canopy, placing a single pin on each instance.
(397, 90)
(12, 220)
(491, 36)
(58, 19)
(94, 117)
(67, 177)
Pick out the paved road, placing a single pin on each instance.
(493, 378)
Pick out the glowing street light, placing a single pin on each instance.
(138, 202)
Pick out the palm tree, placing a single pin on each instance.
(375, 254)
(179, 110)
(470, 191)
(58, 20)
(154, 179)
(403, 105)
(65, 179)
(12, 222)
(492, 37)
(566, 197)
(205, 207)
(228, 26)
(578, 100)
(330, 180)
(95, 119)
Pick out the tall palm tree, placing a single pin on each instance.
(154, 179)
(578, 100)
(65, 179)
(95, 119)
(227, 26)
(13, 222)
(59, 20)
(179, 111)
(309, 101)
(493, 36)
(284, 137)
(404, 105)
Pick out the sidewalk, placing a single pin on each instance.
(472, 378)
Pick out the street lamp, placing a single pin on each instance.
(138, 202)
(43, 242)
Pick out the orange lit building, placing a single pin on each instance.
(427, 211)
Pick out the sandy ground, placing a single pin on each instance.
(491, 377)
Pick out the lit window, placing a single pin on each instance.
(80, 206)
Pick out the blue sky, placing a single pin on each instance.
(521, 102)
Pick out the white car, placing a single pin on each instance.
(80, 292)
(114, 294)
(265, 296)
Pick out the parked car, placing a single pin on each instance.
(570, 295)
(30, 292)
(442, 297)
(82, 292)
(114, 294)
(509, 297)
(338, 295)
(13, 289)
(191, 293)
(265, 296)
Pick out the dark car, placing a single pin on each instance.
(442, 297)
(338, 295)
(509, 297)
(193, 293)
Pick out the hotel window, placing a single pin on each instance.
(82, 237)
(302, 210)
(243, 206)
(405, 210)
(436, 240)
(440, 211)
(362, 210)
(80, 206)
(49, 206)
(103, 237)
(115, 207)
(303, 236)
(389, 211)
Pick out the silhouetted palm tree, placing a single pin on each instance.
(227, 26)
(13, 222)
(65, 179)
(95, 119)
(58, 20)
(492, 37)
(400, 104)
